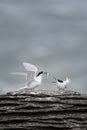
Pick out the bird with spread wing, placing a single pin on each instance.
(33, 79)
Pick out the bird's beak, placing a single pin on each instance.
(47, 74)
(54, 79)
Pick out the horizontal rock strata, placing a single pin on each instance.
(43, 110)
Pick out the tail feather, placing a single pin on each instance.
(67, 80)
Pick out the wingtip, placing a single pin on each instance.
(23, 63)
(26, 63)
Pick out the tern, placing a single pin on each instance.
(33, 79)
(61, 85)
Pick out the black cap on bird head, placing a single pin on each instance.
(41, 72)
(61, 81)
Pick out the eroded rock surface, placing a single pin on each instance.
(43, 110)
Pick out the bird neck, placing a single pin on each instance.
(39, 78)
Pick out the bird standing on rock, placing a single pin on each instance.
(61, 85)
(33, 79)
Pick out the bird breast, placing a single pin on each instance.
(38, 79)
(61, 85)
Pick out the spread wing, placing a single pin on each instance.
(30, 67)
(31, 71)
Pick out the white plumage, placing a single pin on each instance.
(30, 67)
(61, 85)
(33, 79)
